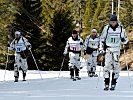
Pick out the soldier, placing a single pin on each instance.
(91, 48)
(111, 38)
(20, 44)
(73, 46)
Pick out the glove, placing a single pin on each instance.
(29, 47)
(102, 52)
(64, 54)
(123, 40)
(8, 45)
(81, 43)
(9, 48)
(84, 52)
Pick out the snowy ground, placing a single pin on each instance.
(54, 88)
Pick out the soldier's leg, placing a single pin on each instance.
(16, 67)
(94, 62)
(71, 64)
(24, 68)
(106, 69)
(116, 70)
(89, 65)
(77, 66)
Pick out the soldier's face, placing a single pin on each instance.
(74, 35)
(93, 34)
(113, 23)
(17, 36)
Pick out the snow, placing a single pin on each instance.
(63, 88)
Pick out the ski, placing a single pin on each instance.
(78, 78)
(74, 79)
(106, 89)
(111, 89)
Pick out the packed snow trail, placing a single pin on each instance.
(63, 88)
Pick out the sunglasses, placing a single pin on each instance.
(112, 21)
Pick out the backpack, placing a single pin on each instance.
(108, 30)
(105, 46)
(90, 50)
(26, 53)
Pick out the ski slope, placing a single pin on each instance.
(62, 88)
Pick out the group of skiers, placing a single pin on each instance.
(108, 45)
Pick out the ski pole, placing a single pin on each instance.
(61, 66)
(7, 58)
(127, 66)
(98, 76)
(102, 65)
(36, 64)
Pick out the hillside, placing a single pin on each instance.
(129, 54)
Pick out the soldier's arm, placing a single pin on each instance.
(66, 47)
(124, 38)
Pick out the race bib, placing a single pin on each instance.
(75, 48)
(93, 44)
(113, 39)
(18, 48)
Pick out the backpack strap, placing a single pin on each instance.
(88, 40)
(24, 43)
(107, 32)
(121, 31)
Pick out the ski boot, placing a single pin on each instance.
(112, 87)
(94, 75)
(106, 87)
(24, 75)
(90, 74)
(113, 84)
(16, 76)
(77, 74)
(78, 78)
(106, 84)
(72, 77)
(16, 79)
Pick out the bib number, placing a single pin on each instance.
(114, 40)
(75, 48)
(18, 48)
(93, 44)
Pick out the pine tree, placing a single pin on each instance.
(126, 18)
(91, 5)
(7, 11)
(60, 28)
(104, 16)
(29, 22)
(97, 15)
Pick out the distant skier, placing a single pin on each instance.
(20, 44)
(111, 38)
(73, 46)
(91, 45)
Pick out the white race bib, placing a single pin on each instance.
(113, 39)
(18, 48)
(74, 48)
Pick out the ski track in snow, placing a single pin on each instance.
(62, 88)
